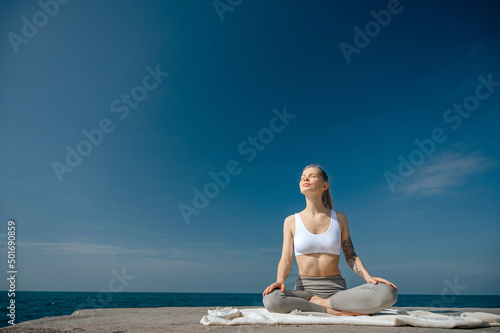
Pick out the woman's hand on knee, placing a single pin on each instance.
(376, 280)
(275, 285)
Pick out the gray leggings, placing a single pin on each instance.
(367, 298)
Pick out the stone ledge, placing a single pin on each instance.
(187, 319)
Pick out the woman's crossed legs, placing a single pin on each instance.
(365, 299)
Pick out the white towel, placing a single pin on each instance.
(390, 317)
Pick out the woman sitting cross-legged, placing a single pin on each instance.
(316, 234)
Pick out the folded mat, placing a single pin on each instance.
(390, 317)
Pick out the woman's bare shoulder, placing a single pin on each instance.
(341, 218)
(290, 220)
(341, 215)
(290, 223)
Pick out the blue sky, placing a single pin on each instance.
(219, 80)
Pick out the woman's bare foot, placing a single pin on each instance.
(324, 302)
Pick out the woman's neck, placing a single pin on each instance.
(314, 206)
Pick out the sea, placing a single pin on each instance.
(30, 305)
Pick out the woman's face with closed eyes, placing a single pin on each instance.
(311, 181)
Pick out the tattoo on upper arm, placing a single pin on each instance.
(349, 253)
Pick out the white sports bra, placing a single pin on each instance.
(306, 242)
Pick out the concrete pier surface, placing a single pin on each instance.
(187, 319)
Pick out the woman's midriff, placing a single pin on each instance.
(318, 264)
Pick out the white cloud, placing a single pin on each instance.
(75, 248)
(178, 251)
(444, 172)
